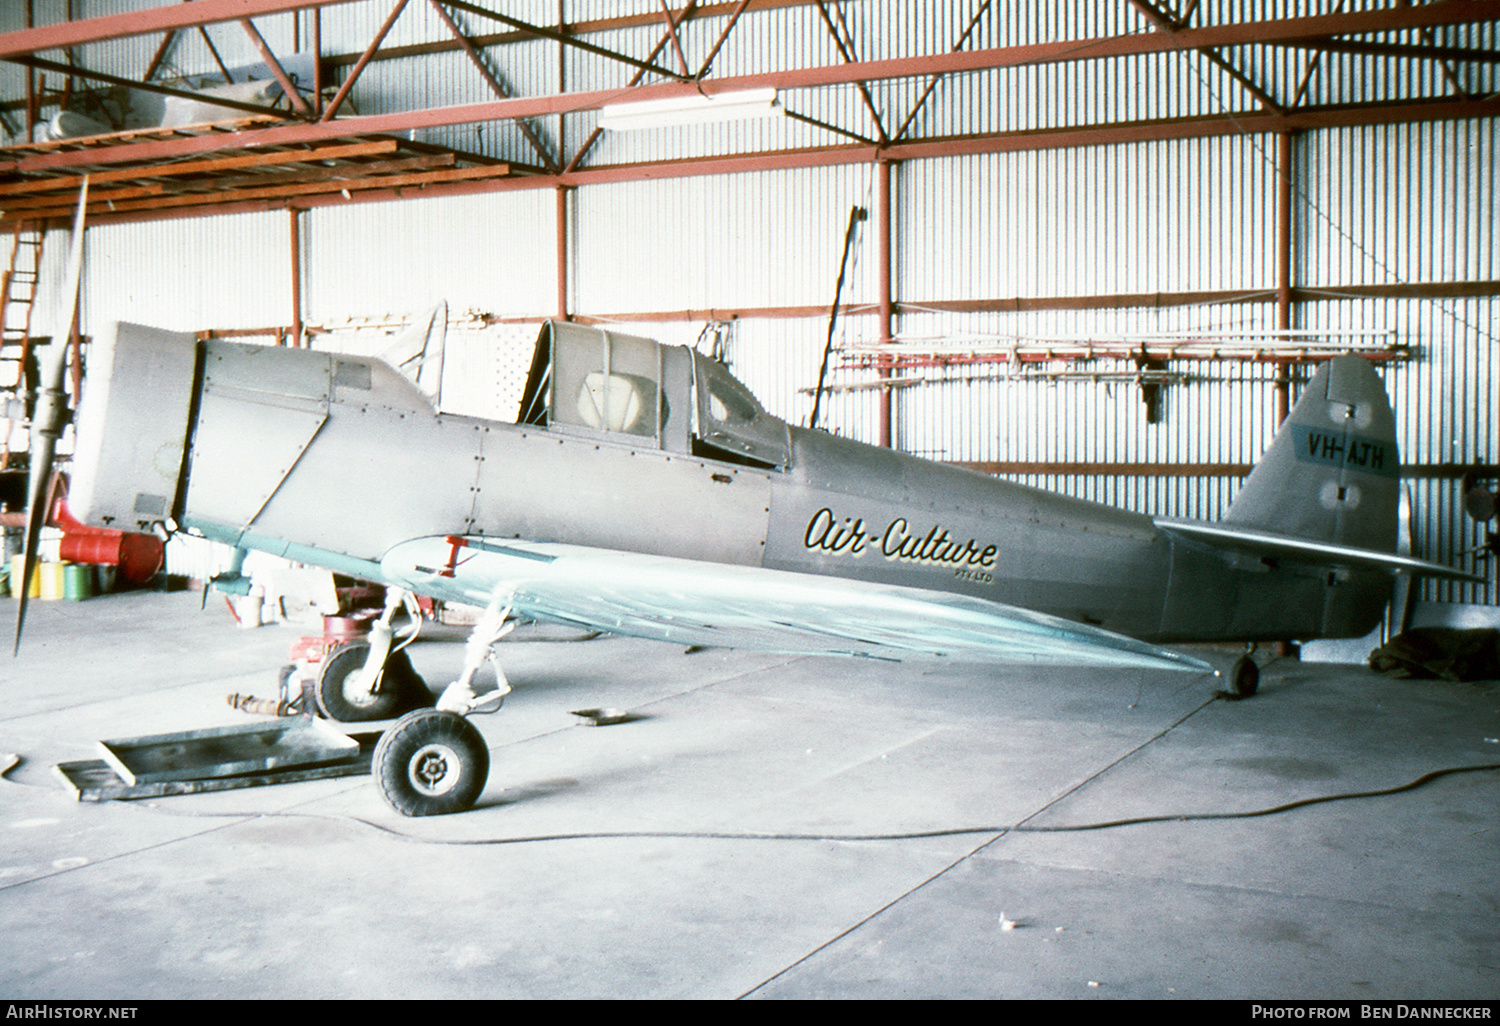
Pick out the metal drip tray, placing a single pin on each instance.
(227, 751)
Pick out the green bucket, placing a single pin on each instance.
(78, 581)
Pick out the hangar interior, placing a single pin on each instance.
(1095, 247)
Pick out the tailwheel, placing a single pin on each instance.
(343, 697)
(431, 763)
(1244, 677)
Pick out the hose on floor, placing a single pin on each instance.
(999, 830)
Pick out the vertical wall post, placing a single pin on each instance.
(294, 233)
(885, 230)
(562, 255)
(31, 97)
(1284, 178)
(1283, 381)
(317, 49)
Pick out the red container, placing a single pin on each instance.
(138, 556)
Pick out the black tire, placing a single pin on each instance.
(397, 690)
(431, 763)
(1244, 677)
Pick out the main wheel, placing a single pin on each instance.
(431, 763)
(341, 700)
(1244, 677)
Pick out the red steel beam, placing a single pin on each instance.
(887, 230)
(73, 71)
(561, 243)
(1084, 135)
(687, 12)
(266, 54)
(140, 23)
(539, 32)
(1269, 32)
(359, 65)
(1089, 135)
(682, 63)
(1277, 31)
(1285, 179)
(294, 238)
(496, 87)
(1168, 24)
(713, 51)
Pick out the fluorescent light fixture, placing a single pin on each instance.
(691, 110)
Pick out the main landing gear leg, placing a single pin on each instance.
(460, 696)
(371, 679)
(434, 761)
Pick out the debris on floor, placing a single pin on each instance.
(604, 717)
(1443, 653)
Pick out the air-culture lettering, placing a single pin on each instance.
(898, 541)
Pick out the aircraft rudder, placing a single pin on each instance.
(1332, 473)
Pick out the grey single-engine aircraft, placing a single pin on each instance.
(643, 490)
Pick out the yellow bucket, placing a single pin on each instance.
(51, 581)
(17, 568)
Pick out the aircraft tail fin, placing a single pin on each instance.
(1332, 473)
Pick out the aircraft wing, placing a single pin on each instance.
(1285, 546)
(689, 602)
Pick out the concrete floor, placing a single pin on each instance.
(718, 856)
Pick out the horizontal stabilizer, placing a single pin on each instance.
(696, 603)
(1284, 546)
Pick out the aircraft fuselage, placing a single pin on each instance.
(334, 460)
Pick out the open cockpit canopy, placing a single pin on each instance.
(594, 381)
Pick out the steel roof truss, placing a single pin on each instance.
(561, 37)
(73, 70)
(364, 59)
(588, 144)
(146, 22)
(1433, 52)
(1164, 21)
(277, 71)
(666, 13)
(214, 50)
(734, 19)
(544, 151)
(847, 53)
(935, 79)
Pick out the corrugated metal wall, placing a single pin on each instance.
(494, 253)
(1373, 206)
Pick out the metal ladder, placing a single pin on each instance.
(18, 287)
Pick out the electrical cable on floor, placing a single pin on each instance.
(949, 832)
(915, 835)
(10, 762)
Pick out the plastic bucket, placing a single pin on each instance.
(17, 568)
(78, 581)
(50, 581)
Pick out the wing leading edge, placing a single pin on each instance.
(694, 603)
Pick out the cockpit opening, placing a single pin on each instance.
(597, 381)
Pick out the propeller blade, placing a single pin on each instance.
(48, 420)
(44, 437)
